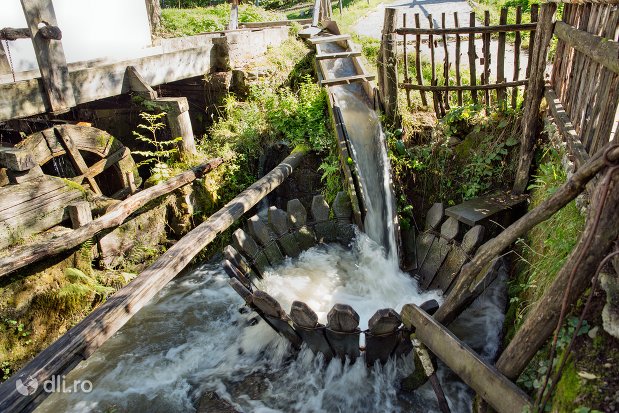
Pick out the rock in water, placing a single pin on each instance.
(302, 315)
(384, 321)
(267, 304)
(343, 318)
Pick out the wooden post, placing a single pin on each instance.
(472, 58)
(407, 78)
(446, 60)
(535, 90)
(517, 43)
(418, 61)
(500, 62)
(50, 56)
(80, 214)
(390, 63)
(581, 264)
(458, 76)
(485, 80)
(492, 386)
(177, 110)
(234, 15)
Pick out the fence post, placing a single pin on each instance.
(388, 82)
(534, 93)
(50, 56)
(234, 15)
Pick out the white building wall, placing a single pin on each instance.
(91, 29)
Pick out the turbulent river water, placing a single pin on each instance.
(193, 339)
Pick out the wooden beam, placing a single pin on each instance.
(413, 86)
(599, 49)
(503, 395)
(346, 80)
(76, 158)
(566, 127)
(138, 85)
(525, 27)
(329, 39)
(47, 32)
(584, 1)
(535, 91)
(260, 25)
(26, 98)
(464, 290)
(44, 248)
(87, 336)
(234, 15)
(50, 56)
(339, 55)
(103, 165)
(316, 13)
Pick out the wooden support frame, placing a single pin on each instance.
(50, 56)
(46, 32)
(525, 27)
(503, 395)
(338, 55)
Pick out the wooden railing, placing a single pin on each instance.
(451, 87)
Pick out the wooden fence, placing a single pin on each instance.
(583, 93)
(451, 86)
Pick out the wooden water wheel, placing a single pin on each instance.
(86, 155)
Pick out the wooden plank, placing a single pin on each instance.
(503, 395)
(138, 85)
(390, 63)
(464, 87)
(406, 73)
(517, 43)
(50, 56)
(103, 165)
(458, 75)
(476, 210)
(500, 64)
(234, 15)
(472, 59)
(566, 127)
(347, 80)
(419, 73)
(88, 335)
(276, 23)
(329, 39)
(25, 98)
(9, 33)
(432, 62)
(316, 13)
(469, 30)
(535, 91)
(534, 18)
(445, 61)
(338, 55)
(76, 158)
(487, 57)
(45, 248)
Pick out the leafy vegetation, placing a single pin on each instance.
(187, 22)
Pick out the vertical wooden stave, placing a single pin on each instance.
(486, 53)
(500, 64)
(407, 77)
(433, 67)
(445, 60)
(517, 43)
(458, 76)
(472, 58)
(418, 62)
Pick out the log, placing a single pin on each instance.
(47, 32)
(82, 340)
(503, 395)
(460, 295)
(458, 75)
(49, 247)
(234, 15)
(525, 27)
(581, 264)
(485, 79)
(535, 90)
(472, 58)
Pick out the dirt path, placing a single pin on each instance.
(371, 25)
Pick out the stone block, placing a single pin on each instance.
(239, 261)
(320, 209)
(278, 221)
(267, 304)
(302, 315)
(297, 214)
(246, 244)
(261, 233)
(342, 207)
(305, 238)
(449, 270)
(473, 239)
(384, 321)
(435, 215)
(342, 318)
(434, 259)
(450, 230)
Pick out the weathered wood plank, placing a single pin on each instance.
(485, 379)
(50, 55)
(485, 79)
(469, 30)
(329, 39)
(500, 63)
(472, 59)
(45, 247)
(347, 80)
(445, 60)
(339, 55)
(76, 159)
(517, 43)
(458, 74)
(87, 336)
(473, 88)
(419, 73)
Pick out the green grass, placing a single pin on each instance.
(187, 22)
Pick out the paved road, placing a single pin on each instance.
(371, 25)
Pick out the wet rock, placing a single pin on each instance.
(253, 385)
(435, 215)
(434, 259)
(430, 306)
(342, 318)
(384, 321)
(320, 209)
(302, 315)
(267, 304)
(248, 246)
(210, 402)
(305, 237)
(239, 261)
(450, 268)
(326, 231)
(297, 214)
(473, 239)
(342, 207)
(450, 229)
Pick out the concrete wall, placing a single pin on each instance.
(91, 29)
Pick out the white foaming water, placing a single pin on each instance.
(192, 339)
(368, 141)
